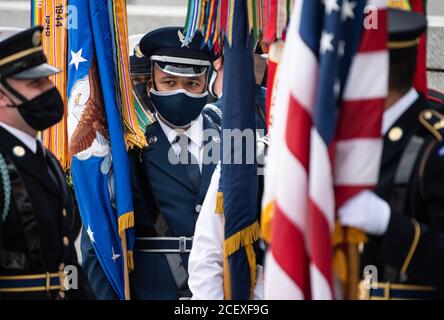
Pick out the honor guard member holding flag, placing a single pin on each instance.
(206, 265)
(172, 175)
(404, 217)
(37, 212)
(206, 270)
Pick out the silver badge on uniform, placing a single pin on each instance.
(182, 39)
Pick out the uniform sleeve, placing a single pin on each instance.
(96, 276)
(205, 265)
(417, 248)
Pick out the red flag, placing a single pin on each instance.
(420, 81)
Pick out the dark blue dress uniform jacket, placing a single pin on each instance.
(178, 203)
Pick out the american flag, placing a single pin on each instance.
(325, 136)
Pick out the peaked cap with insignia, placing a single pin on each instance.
(166, 47)
(140, 64)
(22, 56)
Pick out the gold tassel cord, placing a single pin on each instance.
(126, 221)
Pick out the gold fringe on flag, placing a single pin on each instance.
(244, 238)
(126, 221)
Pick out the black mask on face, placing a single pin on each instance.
(43, 111)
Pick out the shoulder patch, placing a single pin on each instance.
(433, 121)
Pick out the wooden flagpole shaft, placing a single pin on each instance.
(125, 267)
(353, 271)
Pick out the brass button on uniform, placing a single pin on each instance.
(65, 241)
(64, 212)
(198, 208)
(395, 134)
(428, 115)
(18, 151)
(62, 295)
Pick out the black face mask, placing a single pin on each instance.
(43, 111)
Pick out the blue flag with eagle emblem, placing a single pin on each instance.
(100, 164)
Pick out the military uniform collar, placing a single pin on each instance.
(195, 132)
(25, 138)
(401, 131)
(398, 109)
(22, 156)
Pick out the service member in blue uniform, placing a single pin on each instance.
(37, 211)
(405, 215)
(168, 193)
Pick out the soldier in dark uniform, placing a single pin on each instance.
(168, 193)
(37, 211)
(404, 217)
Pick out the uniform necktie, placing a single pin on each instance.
(41, 153)
(189, 162)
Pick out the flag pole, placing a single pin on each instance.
(355, 238)
(353, 268)
(125, 267)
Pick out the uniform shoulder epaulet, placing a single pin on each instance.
(433, 121)
(435, 96)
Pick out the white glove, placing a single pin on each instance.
(366, 211)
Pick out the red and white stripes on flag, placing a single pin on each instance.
(307, 179)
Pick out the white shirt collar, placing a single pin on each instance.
(397, 109)
(25, 138)
(194, 132)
